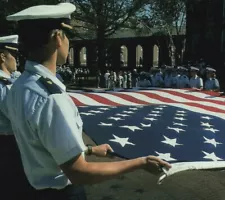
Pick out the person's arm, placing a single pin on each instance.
(81, 172)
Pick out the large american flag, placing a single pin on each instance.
(183, 127)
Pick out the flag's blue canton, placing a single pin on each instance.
(172, 133)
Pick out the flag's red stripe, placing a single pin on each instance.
(193, 98)
(130, 98)
(102, 100)
(158, 97)
(77, 102)
(208, 108)
(168, 100)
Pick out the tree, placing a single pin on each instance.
(102, 18)
(169, 17)
(11, 6)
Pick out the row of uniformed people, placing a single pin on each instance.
(179, 78)
(45, 121)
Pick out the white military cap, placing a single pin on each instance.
(194, 69)
(210, 69)
(36, 23)
(9, 43)
(62, 10)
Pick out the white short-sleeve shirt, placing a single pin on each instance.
(47, 126)
(5, 125)
(196, 82)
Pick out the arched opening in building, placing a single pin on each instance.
(139, 56)
(83, 56)
(155, 56)
(123, 56)
(71, 56)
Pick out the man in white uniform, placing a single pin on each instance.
(212, 82)
(196, 82)
(45, 120)
(11, 169)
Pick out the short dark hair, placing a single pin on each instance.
(34, 34)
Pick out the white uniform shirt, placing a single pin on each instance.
(48, 127)
(5, 125)
(168, 80)
(196, 82)
(212, 84)
(157, 80)
(183, 82)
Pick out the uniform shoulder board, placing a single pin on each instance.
(5, 81)
(50, 85)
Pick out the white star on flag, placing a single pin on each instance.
(132, 128)
(133, 108)
(171, 142)
(150, 119)
(95, 111)
(158, 112)
(211, 156)
(163, 106)
(104, 124)
(165, 156)
(122, 115)
(206, 117)
(87, 114)
(122, 141)
(178, 130)
(158, 108)
(128, 112)
(206, 124)
(211, 129)
(180, 118)
(115, 118)
(154, 115)
(180, 114)
(178, 124)
(181, 111)
(146, 125)
(211, 141)
(104, 109)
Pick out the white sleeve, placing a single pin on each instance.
(59, 128)
(200, 82)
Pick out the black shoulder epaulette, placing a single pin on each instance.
(5, 80)
(50, 85)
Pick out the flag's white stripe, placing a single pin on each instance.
(175, 98)
(184, 166)
(86, 100)
(116, 99)
(89, 101)
(197, 94)
(198, 110)
(147, 99)
(141, 97)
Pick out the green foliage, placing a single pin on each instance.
(11, 6)
(105, 16)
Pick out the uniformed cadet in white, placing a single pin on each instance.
(183, 80)
(168, 77)
(157, 79)
(174, 78)
(45, 120)
(196, 82)
(212, 82)
(11, 166)
(144, 82)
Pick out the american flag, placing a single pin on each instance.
(183, 127)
